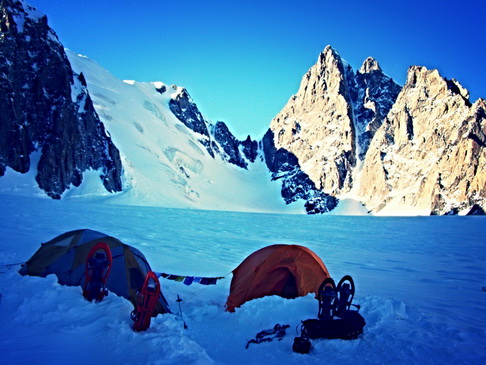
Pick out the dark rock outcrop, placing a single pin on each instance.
(476, 210)
(296, 184)
(229, 144)
(184, 108)
(250, 149)
(187, 112)
(46, 108)
(217, 139)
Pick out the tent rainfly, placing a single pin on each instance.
(65, 256)
(288, 271)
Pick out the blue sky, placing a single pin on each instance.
(242, 60)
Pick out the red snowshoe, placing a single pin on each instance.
(98, 266)
(147, 299)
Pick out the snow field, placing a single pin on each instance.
(419, 283)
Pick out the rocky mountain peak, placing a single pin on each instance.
(327, 75)
(304, 126)
(429, 154)
(369, 65)
(430, 81)
(328, 124)
(329, 53)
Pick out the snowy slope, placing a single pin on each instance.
(164, 164)
(419, 282)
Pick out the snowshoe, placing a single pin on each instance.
(345, 294)
(327, 299)
(349, 327)
(147, 299)
(335, 301)
(98, 267)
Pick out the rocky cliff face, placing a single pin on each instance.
(46, 108)
(430, 152)
(372, 94)
(419, 148)
(328, 124)
(229, 144)
(317, 127)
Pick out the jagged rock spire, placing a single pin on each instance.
(369, 65)
(329, 122)
(316, 124)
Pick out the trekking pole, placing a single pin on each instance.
(179, 300)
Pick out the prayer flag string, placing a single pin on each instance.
(188, 280)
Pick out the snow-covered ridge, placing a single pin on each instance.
(165, 163)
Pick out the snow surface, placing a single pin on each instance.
(420, 283)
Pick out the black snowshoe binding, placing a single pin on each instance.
(345, 295)
(327, 297)
(335, 318)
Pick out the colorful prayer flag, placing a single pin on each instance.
(188, 280)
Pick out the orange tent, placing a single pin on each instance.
(289, 271)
